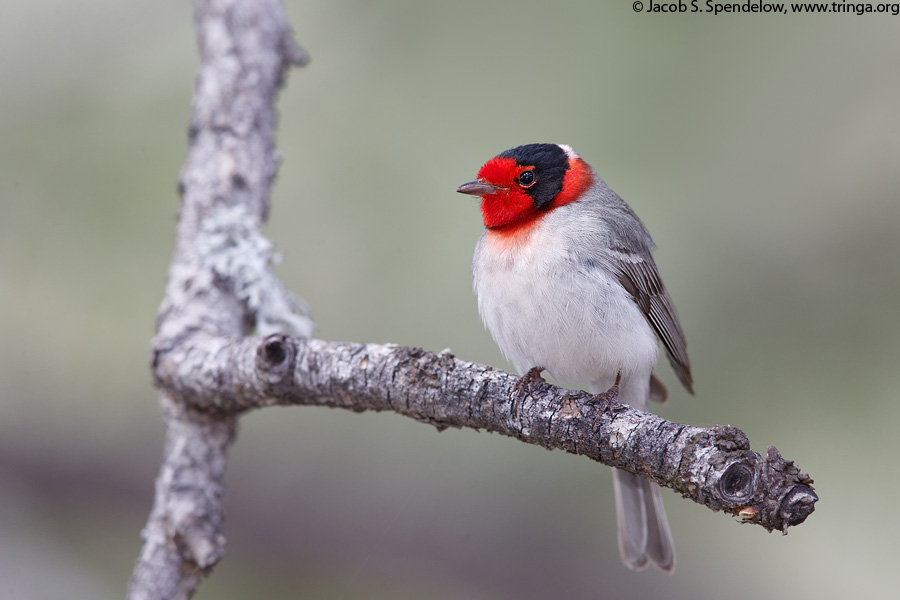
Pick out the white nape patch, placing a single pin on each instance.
(569, 152)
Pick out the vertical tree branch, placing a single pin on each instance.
(220, 286)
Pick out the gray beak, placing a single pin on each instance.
(477, 188)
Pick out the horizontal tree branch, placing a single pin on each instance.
(711, 466)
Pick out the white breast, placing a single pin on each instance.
(545, 309)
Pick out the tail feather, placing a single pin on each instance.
(631, 519)
(643, 529)
(660, 547)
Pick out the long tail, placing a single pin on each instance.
(643, 529)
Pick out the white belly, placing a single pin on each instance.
(544, 310)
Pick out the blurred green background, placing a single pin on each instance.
(762, 152)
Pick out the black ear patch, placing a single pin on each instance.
(550, 164)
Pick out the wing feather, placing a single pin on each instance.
(638, 275)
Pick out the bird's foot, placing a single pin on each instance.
(525, 387)
(604, 400)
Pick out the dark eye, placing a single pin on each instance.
(526, 179)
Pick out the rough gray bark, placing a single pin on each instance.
(712, 466)
(221, 287)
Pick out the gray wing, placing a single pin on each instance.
(627, 255)
(638, 275)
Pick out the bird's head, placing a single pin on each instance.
(521, 185)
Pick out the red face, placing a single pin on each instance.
(510, 204)
(518, 199)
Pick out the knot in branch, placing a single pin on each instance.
(275, 361)
(798, 504)
(738, 483)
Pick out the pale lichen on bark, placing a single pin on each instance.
(220, 283)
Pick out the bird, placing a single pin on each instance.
(566, 283)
